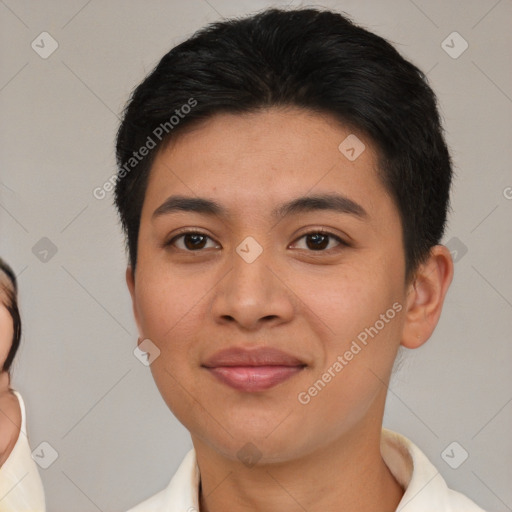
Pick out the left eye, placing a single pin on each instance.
(319, 240)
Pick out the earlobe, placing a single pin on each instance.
(426, 296)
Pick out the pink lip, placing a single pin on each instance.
(254, 378)
(253, 370)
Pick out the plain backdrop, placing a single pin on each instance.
(86, 393)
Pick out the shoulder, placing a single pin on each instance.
(181, 493)
(461, 503)
(153, 504)
(424, 486)
(10, 423)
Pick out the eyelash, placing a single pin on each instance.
(181, 234)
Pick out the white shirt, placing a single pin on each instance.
(21, 489)
(425, 488)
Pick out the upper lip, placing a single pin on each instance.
(264, 356)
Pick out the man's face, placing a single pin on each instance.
(309, 296)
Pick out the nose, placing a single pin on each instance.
(252, 295)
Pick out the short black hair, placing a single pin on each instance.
(10, 293)
(310, 58)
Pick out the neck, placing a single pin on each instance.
(345, 475)
(4, 381)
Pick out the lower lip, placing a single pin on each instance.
(254, 378)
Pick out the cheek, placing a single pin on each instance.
(362, 315)
(6, 334)
(348, 301)
(170, 313)
(362, 318)
(161, 302)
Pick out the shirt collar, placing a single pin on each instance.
(425, 489)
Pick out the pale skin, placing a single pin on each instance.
(311, 303)
(10, 413)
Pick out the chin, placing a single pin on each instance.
(258, 440)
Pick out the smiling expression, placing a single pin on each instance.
(327, 260)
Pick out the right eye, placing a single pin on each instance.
(191, 241)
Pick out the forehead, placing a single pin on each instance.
(264, 158)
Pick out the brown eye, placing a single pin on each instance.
(190, 241)
(321, 240)
(317, 241)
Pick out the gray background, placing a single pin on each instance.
(86, 393)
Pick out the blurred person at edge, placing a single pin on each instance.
(21, 489)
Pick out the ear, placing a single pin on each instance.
(130, 281)
(425, 297)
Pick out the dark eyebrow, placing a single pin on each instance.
(189, 204)
(334, 202)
